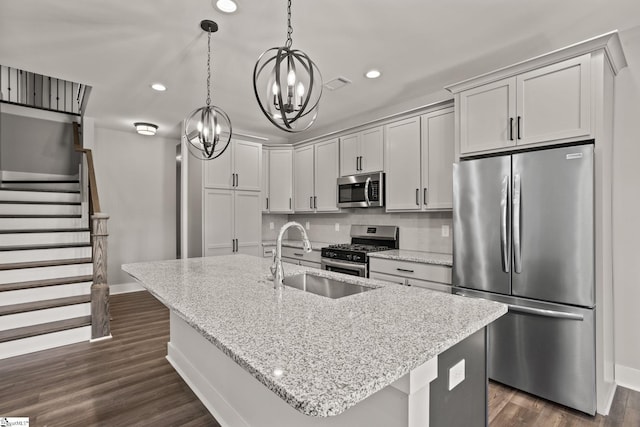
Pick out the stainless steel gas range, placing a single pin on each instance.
(352, 258)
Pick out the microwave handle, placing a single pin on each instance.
(366, 191)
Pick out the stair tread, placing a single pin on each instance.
(38, 247)
(46, 282)
(46, 230)
(36, 202)
(44, 304)
(44, 328)
(22, 216)
(39, 190)
(51, 263)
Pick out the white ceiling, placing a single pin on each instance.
(120, 47)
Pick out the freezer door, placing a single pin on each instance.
(481, 224)
(544, 349)
(553, 225)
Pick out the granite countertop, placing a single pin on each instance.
(415, 256)
(316, 246)
(320, 355)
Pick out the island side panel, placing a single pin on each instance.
(235, 398)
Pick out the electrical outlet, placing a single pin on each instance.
(337, 226)
(445, 231)
(271, 226)
(456, 374)
(307, 225)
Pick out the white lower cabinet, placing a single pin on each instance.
(232, 222)
(407, 273)
(299, 257)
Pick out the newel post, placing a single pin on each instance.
(100, 327)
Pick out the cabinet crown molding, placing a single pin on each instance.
(609, 42)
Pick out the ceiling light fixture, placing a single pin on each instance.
(372, 74)
(287, 85)
(148, 129)
(226, 6)
(159, 87)
(205, 128)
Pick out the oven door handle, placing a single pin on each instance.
(349, 265)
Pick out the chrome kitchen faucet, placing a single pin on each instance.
(276, 267)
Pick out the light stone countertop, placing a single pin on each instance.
(316, 246)
(415, 256)
(333, 352)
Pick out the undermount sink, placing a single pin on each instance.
(323, 286)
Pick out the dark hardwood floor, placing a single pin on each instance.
(126, 381)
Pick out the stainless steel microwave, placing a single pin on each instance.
(361, 191)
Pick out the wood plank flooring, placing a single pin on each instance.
(126, 381)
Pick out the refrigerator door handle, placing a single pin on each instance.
(545, 313)
(504, 203)
(517, 249)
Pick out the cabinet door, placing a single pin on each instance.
(264, 184)
(372, 150)
(248, 222)
(303, 179)
(487, 115)
(349, 152)
(437, 159)
(326, 176)
(403, 165)
(247, 160)
(553, 102)
(281, 181)
(218, 173)
(218, 222)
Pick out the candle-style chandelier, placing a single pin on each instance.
(287, 85)
(208, 129)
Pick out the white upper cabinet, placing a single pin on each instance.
(546, 104)
(315, 177)
(264, 184)
(362, 152)
(303, 179)
(403, 165)
(281, 180)
(419, 156)
(239, 167)
(326, 176)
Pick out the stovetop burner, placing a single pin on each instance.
(358, 247)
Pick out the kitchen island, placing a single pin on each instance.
(257, 356)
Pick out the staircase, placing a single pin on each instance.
(46, 267)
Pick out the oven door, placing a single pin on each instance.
(344, 267)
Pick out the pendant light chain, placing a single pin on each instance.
(208, 68)
(289, 27)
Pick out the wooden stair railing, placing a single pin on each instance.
(100, 325)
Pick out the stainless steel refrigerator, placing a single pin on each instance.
(524, 235)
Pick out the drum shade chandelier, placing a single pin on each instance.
(287, 85)
(208, 128)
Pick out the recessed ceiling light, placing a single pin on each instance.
(146, 128)
(159, 87)
(372, 74)
(226, 6)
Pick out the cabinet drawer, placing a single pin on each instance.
(412, 270)
(267, 251)
(299, 254)
(411, 282)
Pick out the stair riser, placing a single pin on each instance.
(37, 196)
(24, 239)
(44, 185)
(26, 176)
(47, 292)
(27, 209)
(44, 273)
(7, 257)
(41, 223)
(43, 342)
(12, 321)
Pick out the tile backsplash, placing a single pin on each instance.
(418, 231)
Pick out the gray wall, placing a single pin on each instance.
(30, 144)
(136, 184)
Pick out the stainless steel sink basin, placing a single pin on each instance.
(330, 288)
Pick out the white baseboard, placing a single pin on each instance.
(628, 377)
(124, 288)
